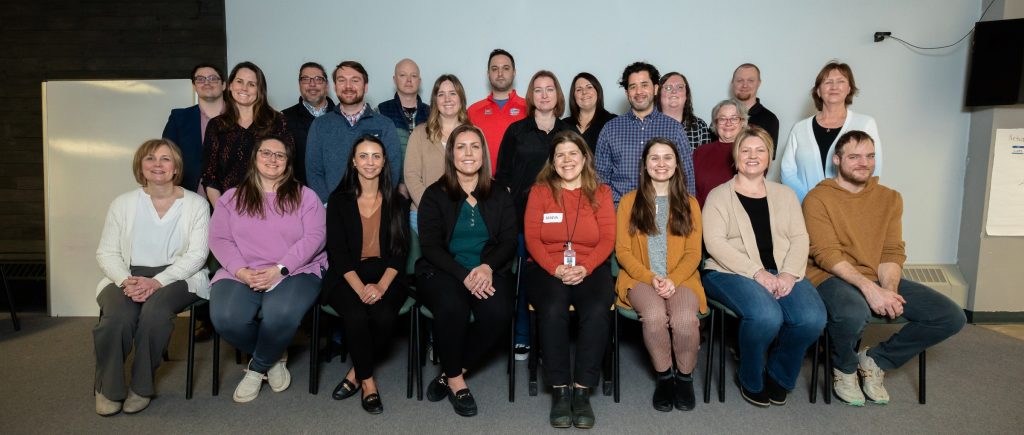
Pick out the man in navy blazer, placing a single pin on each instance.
(186, 127)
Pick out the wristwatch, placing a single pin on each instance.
(283, 269)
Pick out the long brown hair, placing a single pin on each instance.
(450, 179)
(249, 195)
(350, 185)
(434, 120)
(589, 180)
(262, 114)
(642, 218)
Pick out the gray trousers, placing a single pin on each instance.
(124, 323)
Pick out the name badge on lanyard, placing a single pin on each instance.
(569, 255)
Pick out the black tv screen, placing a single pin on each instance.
(996, 74)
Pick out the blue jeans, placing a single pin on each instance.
(234, 308)
(932, 318)
(795, 320)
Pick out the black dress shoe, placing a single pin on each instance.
(684, 399)
(438, 388)
(663, 394)
(371, 404)
(561, 407)
(759, 399)
(582, 412)
(203, 331)
(776, 393)
(463, 402)
(345, 389)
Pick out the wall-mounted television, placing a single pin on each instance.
(996, 74)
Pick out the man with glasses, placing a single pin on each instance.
(313, 102)
(746, 80)
(186, 127)
(621, 143)
(406, 110)
(332, 136)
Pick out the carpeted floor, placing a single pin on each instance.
(974, 382)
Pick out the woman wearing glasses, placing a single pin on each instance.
(269, 235)
(713, 162)
(807, 158)
(230, 137)
(674, 99)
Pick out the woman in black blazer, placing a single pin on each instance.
(367, 246)
(468, 238)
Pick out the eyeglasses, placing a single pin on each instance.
(669, 89)
(202, 80)
(316, 80)
(268, 154)
(732, 120)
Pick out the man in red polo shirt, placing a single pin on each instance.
(503, 107)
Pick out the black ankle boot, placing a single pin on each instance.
(663, 392)
(684, 399)
(776, 393)
(561, 407)
(582, 412)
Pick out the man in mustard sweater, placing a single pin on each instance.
(856, 256)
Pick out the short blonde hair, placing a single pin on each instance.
(149, 147)
(748, 133)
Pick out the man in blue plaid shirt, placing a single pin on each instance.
(620, 145)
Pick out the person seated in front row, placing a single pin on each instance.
(152, 254)
(268, 234)
(367, 246)
(755, 235)
(468, 239)
(857, 254)
(658, 244)
(570, 232)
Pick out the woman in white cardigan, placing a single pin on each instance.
(807, 158)
(152, 254)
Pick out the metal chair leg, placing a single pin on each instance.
(216, 363)
(921, 378)
(534, 355)
(709, 356)
(314, 353)
(10, 301)
(827, 377)
(721, 357)
(409, 360)
(420, 362)
(191, 351)
(616, 374)
(814, 371)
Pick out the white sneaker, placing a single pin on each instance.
(522, 352)
(278, 376)
(847, 388)
(872, 377)
(249, 388)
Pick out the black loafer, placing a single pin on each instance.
(663, 394)
(561, 407)
(684, 399)
(759, 399)
(438, 388)
(463, 402)
(776, 393)
(371, 404)
(344, 390)
(582, 412)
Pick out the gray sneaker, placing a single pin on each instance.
(106, 407)
(846, 388)
(278, 376)
(249, 388)
(522, 352)
(135, 403)
(871, 378)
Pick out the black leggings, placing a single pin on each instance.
(460, 344)
(368, 328)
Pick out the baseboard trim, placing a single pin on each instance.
(994, 316)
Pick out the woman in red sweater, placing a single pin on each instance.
(570, 232)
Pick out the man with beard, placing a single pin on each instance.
(746, 80)
(332, 136)
(621, 142)
(406, 110)
(186, 127)
(856, 257)
(502, 107)
(313, 103)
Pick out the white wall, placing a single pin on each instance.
(915, 96)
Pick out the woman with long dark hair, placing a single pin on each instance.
(268, 234)
(587, 115)
(367, 245)
(658, 245)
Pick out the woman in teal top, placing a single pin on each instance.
(468, 239)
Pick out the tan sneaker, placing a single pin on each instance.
(846, 388)
(249, 388)
(135, 403)
(278, 376)
(106, 407)
(872, 378)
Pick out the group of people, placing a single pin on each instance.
(323, 201)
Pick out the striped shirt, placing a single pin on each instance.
(620, 148)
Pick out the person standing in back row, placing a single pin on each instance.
(502, 107)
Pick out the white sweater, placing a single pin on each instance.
(801, 167)
(115, 251)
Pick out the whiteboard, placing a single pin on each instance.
(91, 130)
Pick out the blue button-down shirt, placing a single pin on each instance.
(620, 148)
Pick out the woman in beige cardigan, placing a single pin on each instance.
(755, 235)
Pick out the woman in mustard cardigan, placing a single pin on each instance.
(658, 245)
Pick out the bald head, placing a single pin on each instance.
(407, 78)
